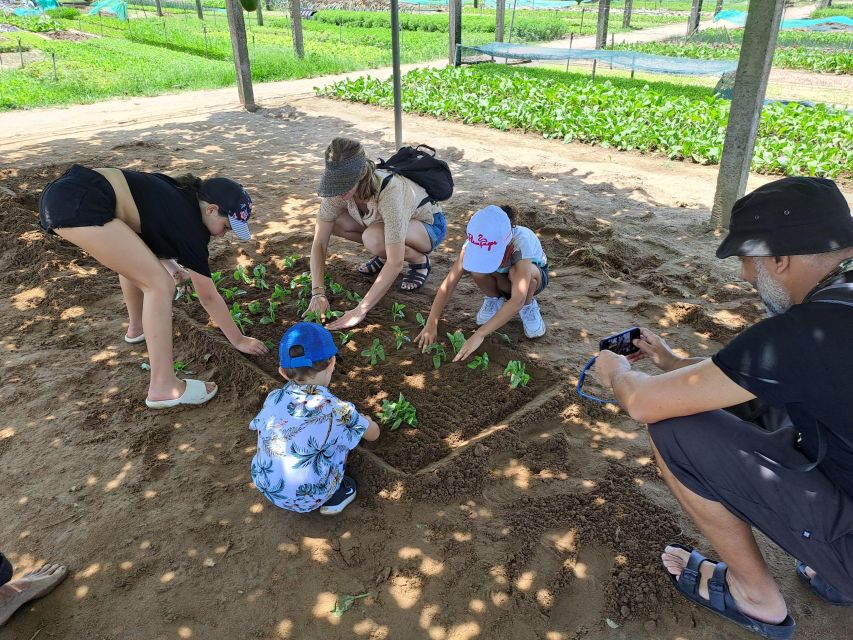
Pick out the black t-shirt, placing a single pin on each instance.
(802, 360)
(170, 219)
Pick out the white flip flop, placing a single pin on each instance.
(136, 340)
(195, 393)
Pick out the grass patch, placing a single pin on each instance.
(674, 120)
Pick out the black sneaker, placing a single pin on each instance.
(341, 498)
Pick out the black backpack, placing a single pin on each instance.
(422, 168)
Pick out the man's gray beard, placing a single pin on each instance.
(776, 300)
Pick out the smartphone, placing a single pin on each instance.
(621, 343)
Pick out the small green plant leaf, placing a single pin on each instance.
(375, 352)
(269, 344)
(344, 337)
(516, 374)
(354, 296)
(480, 362)
(344, 604)
(290, 261)
(254, 306)
(398, 412)
(240, 275)
(397, 311)
(438, 352)
(419, 318)
(457, 339)
(400, 337)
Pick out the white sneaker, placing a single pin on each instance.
(531, 318)
(490, 307)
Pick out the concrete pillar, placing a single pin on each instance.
(603, 17)
(296, 28)
(454, 28)
(500, 20)
(753, 69)
(626, 16)
(695, 18)
(237, 27)
(395, 66)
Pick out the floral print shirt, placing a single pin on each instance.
(304, 436)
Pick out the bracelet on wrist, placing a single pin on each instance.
(318, 295)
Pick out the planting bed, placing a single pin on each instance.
(456, 406)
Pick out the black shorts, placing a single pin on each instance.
(713, 454)
(80, 198)
(5, 570)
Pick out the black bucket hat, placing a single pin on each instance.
(789, 217)
(342, 175)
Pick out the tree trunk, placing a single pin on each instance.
(159, 8)
(237, 27)
(719, 7)
(296, 28)
(500, 20)
(603, 17)
(199, 10)
(260, 15)
(695, 18)
(626, 17)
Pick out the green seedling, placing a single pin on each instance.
(181, 367)
(333, 315)
(260, 276)
(400, 336)
(185, 291)
(216, 276)
(301, 306)
(290, 262)
(239, 317)
(254, 306)
(375, 352)
(145, 366)
(439, 354)
(313, 316)
(269, 344)
(353, 296)
(344, 337)
(398, 412)
(344, 604)
(301, 283)
(279, 293)
(240, 275)
(479, 362)
(269, 314)
(397, 311)
(516, 373)
(335, 288)
(232, 292)
(457, 339)
(419, 318)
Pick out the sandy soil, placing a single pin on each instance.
(542, 523)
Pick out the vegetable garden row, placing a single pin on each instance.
(677, 121)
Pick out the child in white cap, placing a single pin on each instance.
(510, 268)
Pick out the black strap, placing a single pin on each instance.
(387, 179)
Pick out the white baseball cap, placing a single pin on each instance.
(489, 233)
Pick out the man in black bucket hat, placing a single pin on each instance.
(788, 470)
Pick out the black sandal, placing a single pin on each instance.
(413, 276)
(372, 266)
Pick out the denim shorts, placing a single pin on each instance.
(82, 197)
(437, 231)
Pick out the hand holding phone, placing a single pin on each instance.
(621, 343)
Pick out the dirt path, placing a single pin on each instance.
(545, 524)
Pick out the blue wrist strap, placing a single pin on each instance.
(582, 377)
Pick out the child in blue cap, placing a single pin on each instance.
(305, 432)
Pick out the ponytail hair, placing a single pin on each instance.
(509, 211)
(188, 182)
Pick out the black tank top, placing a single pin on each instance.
(170, 219)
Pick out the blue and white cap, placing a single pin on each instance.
(232, 200)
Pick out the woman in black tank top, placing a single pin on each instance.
(130, 221)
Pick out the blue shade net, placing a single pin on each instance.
(521, 4)
(116, 8)
(37, 8)
(833, 23)
(622, 59)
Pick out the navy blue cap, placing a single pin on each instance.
(315, 341)
(233, 201)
